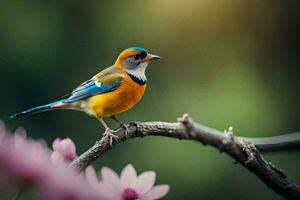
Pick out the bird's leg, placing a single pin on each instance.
(122, 125)
(108, 132)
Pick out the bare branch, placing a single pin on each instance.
(243, 150)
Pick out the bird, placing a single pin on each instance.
(110, 92)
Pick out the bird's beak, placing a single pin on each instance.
(151, 57)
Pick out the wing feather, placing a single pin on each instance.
(105, 81)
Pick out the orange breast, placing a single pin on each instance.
(117, 101)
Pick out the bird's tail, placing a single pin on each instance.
(51, 106)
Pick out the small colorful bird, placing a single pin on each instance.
(110, 92)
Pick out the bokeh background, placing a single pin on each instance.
(225, 63)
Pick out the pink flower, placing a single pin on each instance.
(65, 147)
(27, 162)
(128, 186)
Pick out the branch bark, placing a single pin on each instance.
(244, 150)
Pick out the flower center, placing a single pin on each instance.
(130, 194)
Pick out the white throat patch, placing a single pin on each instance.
(139, 71)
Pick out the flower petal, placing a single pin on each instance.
(145, 182)
(111, 179)
(66, 147)
(128, 176)
(105, 193)
(91, 176)
(57, 159)
(156, 192)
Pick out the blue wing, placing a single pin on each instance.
(86, 89)
(105, 81)
(91, 88)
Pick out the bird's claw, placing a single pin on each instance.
(110, 134)
(125, 127)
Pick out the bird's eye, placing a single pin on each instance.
(143, 54)
(137, 56)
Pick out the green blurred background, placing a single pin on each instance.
(225, 63)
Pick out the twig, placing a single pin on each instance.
(239, 148)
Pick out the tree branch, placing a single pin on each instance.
(243, 150)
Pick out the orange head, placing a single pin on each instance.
(134, 61)
(134, 56)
